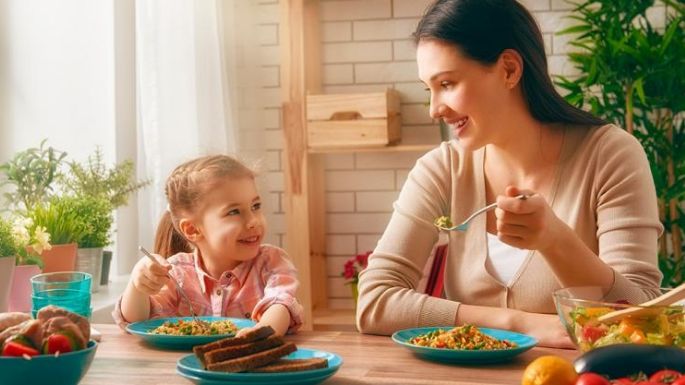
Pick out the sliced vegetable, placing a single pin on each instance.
(16, 349)
(59, 342)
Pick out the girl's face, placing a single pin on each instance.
(470, 97)
(230, 223)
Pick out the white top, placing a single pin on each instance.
(503, 260)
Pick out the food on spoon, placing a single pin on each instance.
(443, 222)
(466, 337)
(193, 328)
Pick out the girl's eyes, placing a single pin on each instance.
(257, 206)
(233, 212)
(445, 84)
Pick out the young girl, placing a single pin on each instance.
(211, 234)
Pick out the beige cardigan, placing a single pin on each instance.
(603, 189)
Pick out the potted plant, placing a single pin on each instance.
(8, 252)
(28, 263)
(96, 213)
(60, 218)
(351, 270)
(633, 73)
(31, 172)
(95, 178)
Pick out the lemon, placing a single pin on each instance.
(549, 370)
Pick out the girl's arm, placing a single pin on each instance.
(277, 316)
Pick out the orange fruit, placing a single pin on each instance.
(549, 370)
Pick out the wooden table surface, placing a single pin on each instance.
(124, 359)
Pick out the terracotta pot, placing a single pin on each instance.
(59, 258)
(6, 271)
(20, 293)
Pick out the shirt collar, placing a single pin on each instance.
(240, 272)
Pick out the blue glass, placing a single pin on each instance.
(69, 290)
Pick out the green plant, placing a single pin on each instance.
(60, 218)
(633, 74)
(32, 172)
(96, 214)
(94, 178)
(8, 245)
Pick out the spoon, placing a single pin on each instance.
(444, 223)
(203, 324)
(665, 299)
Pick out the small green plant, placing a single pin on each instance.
(94, 178)
(96, 214)
(31, 172)
(8, 245)
(25, 245)
(60, 218)
(633, 74)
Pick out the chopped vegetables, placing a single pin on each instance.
(665, 326)
(16, 349)
(466, 337)
(191, 328)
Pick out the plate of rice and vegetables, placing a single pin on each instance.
(184, 332)
(464, 344)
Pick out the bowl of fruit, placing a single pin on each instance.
(54, 346)
(594, 319)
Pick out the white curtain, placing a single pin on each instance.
(185, 103)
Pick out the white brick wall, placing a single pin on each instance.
(367, 47)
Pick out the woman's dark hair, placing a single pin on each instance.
(483, 29)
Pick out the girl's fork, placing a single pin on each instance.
(203, 324)
(445, 224)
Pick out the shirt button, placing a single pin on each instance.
(218, 291)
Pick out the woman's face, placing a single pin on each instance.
(470, 97)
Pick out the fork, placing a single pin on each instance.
(463, 226)
(202, 323)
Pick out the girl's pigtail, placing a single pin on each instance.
(168, 241)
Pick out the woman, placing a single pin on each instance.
(590, 218)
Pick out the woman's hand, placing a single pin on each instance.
(546, 328)
(526, 223)
(148, 277)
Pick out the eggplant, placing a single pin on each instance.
(627, 359)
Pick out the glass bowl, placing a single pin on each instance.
(581, 307)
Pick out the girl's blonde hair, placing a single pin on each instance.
(184, 190)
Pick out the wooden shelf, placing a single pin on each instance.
(398, 148)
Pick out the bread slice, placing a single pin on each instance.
(229, 352)
(293, 365)
(253, 335)
(245, 363)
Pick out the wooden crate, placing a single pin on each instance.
(353, 120)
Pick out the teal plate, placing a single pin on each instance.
(143, 329)
(190, 368)
(459, 356)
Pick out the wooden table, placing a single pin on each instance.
(124, 359)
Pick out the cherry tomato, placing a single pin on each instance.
(592, 379)
(665, 376)
(592, 333)
(679, 381)
(623, 381)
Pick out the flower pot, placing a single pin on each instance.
(20, 293)
(106, 262)
(89, 260)
(6, 272)
(59, 258)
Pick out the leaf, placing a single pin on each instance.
(638, 85)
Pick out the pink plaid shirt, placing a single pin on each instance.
(244, 292)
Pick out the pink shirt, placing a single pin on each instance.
(244, 292)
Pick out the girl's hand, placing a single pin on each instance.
(148, 277)
(526, 223)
